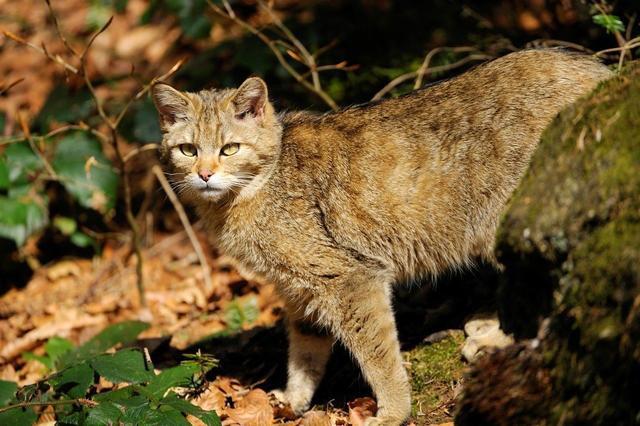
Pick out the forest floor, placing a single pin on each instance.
(234, 319)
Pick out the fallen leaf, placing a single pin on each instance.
(252, 410)
(360, 409)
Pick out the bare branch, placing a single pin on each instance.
(4, 89)
(58, 31)
(273, 46)
(413, 74)
(143, 148)
(57, 59)
(34, 147)
(206, 270)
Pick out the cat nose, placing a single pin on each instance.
(205, 174)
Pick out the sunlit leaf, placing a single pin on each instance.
(95, 189)
(180, 375)
(611, 23)
(123, 366)
(121, 333)
(66, 225)
(19, 219)
(21, 162)
(210, 418)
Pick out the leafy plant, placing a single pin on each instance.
(240, 312)
(73, 389)
(80, 166)
(611, 23)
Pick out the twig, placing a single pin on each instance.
(206, 270)
(314, 87)
(65, 128)
(57, 59)
(79, 401)
(413, 74)
(58, 31)
(4, 89)
(143, 148)
(34, 148)
(146, 88)
(427, 60)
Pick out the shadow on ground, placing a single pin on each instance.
(258, 356)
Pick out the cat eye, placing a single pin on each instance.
(229, 149)
(188, 149)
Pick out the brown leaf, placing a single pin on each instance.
(252, 410)
(360, 409)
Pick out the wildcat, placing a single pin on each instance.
(336, 208)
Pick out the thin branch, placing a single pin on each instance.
(4, 89)
(427, 61)
(308, 58)
(34, 148)
(413, 74)
(146, 88)
(79, 401)
(139, 150)
(206, 270)
(63, 129)
(57, 59)
(58, 31)
(272, 45)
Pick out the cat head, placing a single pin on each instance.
(217, 143)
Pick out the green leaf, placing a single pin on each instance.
(165, 416)
(83, 240)
(73, 381)
(44, 360)
(75, 418)
(115, 395)
(210, 418)
(611, 23)
(122, 333)
(66, 225)
(193, 20)
(4, 174)
(105, 414)
(96, 188)
(180, 375)
(21, 163)
(56, 347)
(7, 391)
(240, 312)
(134, 410)
(18, 417)
(146, 124)
(124, 366)
(64, 105)
(20, 219)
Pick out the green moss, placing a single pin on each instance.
(574, 223)
(435, 369)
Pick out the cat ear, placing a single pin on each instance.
(172, 105)
(251, 98)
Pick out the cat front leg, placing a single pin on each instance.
(366, 325)
(309, 350)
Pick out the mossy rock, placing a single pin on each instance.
(570, 244)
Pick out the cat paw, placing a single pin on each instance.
(293, 400)
(381, 421)
(483, 334)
